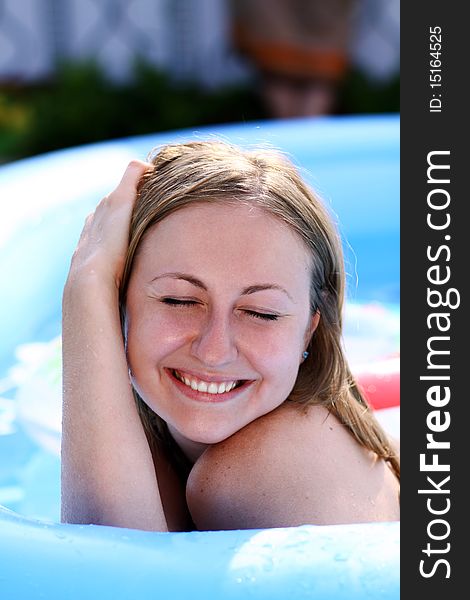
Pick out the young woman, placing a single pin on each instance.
(205, 384)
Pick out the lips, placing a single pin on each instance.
(207, 387)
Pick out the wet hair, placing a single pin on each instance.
(215, 171)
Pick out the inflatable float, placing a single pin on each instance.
(353, 163)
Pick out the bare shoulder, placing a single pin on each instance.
(290, 467)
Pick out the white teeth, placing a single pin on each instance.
(213, 388)
(202, 386)
(205, 386)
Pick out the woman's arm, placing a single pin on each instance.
(108, 475)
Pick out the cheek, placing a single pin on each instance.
(153, 336)
(278, 355)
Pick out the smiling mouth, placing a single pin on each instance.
(207, 387)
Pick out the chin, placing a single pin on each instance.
(209, 438)
(208, 434)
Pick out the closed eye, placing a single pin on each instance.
(178, 302)
(260, 315)
(252, 313)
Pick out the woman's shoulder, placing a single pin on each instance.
(294, 465)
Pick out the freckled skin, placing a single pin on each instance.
(258, 461)
(228, 249)
(289, 468)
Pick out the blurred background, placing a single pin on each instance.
(79, 71)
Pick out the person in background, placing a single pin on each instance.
(299, 50)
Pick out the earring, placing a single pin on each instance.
(305, 354)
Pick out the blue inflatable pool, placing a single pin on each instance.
(353, 163)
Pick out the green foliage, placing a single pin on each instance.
(80, 105)
(361, 95)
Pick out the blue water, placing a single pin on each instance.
(352, 162)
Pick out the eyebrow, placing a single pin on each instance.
(251, 289)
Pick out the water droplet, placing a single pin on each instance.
(341, 556)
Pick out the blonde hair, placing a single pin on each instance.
(215, 171)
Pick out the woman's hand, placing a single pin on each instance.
(108, 474)
(102, 247)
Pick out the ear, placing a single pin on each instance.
(313, 324)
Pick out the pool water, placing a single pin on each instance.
(352, 162)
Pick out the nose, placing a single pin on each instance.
(214, 344)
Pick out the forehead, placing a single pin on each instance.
(236, 239)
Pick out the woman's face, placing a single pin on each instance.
(217, 319)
